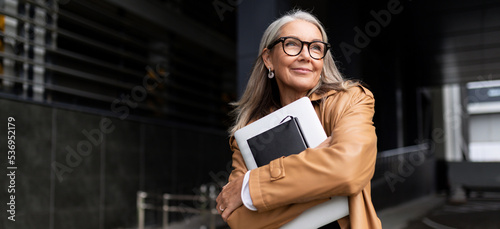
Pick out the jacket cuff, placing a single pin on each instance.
(245, 193)
(255, 190)
(272, 172)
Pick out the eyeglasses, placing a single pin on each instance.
(293, 46)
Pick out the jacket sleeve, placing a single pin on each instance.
(244, 218)
(343, 169)
(239, 167)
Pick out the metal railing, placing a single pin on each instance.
(391, 160)
(206, 200)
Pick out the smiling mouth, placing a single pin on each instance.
(302, 70)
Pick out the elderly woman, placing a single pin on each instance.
(295, 62)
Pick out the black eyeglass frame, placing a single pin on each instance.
(282, 39)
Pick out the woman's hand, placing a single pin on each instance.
(229, 198)
(325, 143)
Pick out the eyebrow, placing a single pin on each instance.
(301, 39)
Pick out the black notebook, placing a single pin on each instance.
(283, 140)
(310, 125)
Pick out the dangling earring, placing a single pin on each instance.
(270, 74)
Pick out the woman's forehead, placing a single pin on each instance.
(301, 29)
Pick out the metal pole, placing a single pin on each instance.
(165, 211)
(141, 196)
(212, 197)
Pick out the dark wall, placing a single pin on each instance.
(385, 44)
(96, 186)
(388, 44)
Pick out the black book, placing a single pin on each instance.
(282, 140)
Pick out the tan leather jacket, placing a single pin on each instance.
(289, 185)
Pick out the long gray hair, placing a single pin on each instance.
(261, 95)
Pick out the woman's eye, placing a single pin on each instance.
(316, 47)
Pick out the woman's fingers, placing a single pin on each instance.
(229, 198)
(219, 201)
(227, 212)
(224, 203)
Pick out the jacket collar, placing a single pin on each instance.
(316, 97)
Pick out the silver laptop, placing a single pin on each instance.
(302, 109)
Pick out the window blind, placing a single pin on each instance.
(96, 56)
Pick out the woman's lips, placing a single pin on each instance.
(301, 70)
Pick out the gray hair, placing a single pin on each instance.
(258, 97)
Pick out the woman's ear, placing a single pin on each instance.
(266, 57)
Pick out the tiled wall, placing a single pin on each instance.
(98, 189)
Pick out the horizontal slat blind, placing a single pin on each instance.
(91, 54)
(470, 45)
